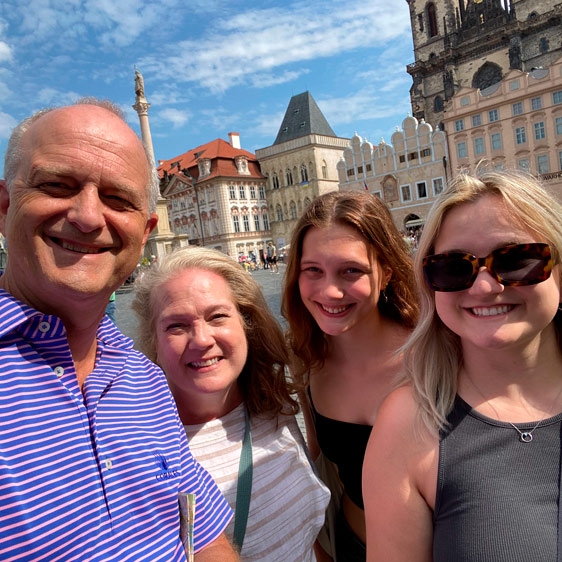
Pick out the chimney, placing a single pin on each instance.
(234, 139)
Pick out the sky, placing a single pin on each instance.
(210, 67)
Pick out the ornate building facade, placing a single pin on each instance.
(474, 44)
(216, 196)
(299, 165)
(515, 123)
(407, 174)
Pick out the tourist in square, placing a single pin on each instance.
(463, 462)
(350, 303)
(205, 321)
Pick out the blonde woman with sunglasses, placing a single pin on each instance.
(463, 462)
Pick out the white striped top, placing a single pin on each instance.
(91, 475)
(288, 499)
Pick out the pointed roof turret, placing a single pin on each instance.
(303, 117)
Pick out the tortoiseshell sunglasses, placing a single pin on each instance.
(513, 266)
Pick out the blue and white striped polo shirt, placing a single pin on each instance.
(92, 475)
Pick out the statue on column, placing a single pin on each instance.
(139, 84)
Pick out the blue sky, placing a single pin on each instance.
(210, 66)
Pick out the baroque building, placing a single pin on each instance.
(407, 174)
(474, 44)
(299, 165)
(216, 196)
(515, 123)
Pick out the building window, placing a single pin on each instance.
(275, 181)
(368, 167)
(246, 220)
(517, 108)
(236, 221)
(493, 115)
(496, 141)
(479, 145)
(437, 185)
(539, 131)
(413, 156)
(459, 125)
(559, 125)
(304, 173)
(560, 160)
(422, 189)
(232, 192)
(476, 120)
(279, 212)
(426, 152)
(252, 192)
(523, 164)
(359, 169)
(557, 97)
(432, 19)
(499, 166)
(256, 221)
(324, 170)
(520, 135)
(402, 159)
(514, 85)
(406, 193)
(289, 177)
(293, 210)
(262, 192)
(350, 172)
(542, 164)
(438, 104)
(420, 21)
(242, 192)
(465, 101)
(536, 103)
(461, 150)
(265, 219)
(543, 45)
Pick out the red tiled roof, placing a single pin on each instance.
(220, 152)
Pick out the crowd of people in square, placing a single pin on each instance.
(428, 369)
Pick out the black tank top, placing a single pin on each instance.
(497, 498)
(344, 443)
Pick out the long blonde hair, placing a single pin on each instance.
(433, 354)
(263, 383)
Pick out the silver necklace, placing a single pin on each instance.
(524, 436)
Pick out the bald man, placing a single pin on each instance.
(92, 452)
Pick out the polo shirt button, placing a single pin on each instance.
(59, 371)
(44, 327)
(108, 464)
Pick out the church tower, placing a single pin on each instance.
(475, 43)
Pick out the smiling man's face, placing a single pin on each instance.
(76, 214)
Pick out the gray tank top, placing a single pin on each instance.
(497, 497)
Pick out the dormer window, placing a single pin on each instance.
(242, 165)
(204, 167)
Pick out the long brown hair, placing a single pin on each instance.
(370, 217)
(263, 382)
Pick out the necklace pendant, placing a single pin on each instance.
(526, 437)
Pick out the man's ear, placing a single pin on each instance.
(150, 226)
(4, 204)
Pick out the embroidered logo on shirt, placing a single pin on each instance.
(165, 471)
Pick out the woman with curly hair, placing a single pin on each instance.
(463, 463)
(205, 321)
(350, 303)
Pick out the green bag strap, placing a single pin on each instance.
(244, 487)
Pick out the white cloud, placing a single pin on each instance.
(260, 41)
(7, 123)
(268, 124)
(270, 79)
(5, 52)
(175, 116)
(50, 96)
